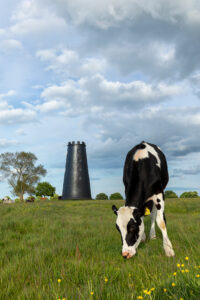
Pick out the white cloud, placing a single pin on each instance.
(30, 18)
(5, 143)
(67, 61)
(10, 45)
(8, 94)
(96, 91)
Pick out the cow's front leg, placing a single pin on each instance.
(161, 224)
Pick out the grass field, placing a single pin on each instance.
(71, 250)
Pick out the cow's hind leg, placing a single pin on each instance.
(161, 224)
(152, 234)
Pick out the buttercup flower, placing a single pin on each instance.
(139, 297)
(59, 280)
(182, 265)
(106, 279)
(197, 275)
(92, 293)
(164, 290)
(173, 284)
(178, 265)
(186, 258)
(174, 273)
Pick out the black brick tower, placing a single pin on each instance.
(76, 180)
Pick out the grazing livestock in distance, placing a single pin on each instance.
(145, 178)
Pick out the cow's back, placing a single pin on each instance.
(145, 173)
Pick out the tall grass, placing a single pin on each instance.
(71, 250)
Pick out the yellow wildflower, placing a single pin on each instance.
(139, 297)
(187, 271)
(129, 274)
(59, 280)
(197, 275)
(152, 289)
(145, 291)
(164, 290)
(174, 273)
(178, 265)
(92, 293)
(148, 293)
(106, 279)
(181, 299)
(186, 258)
(173, 284)
(63, 298)
(182, 265)
(183, 271)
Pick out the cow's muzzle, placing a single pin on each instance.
(126, 255)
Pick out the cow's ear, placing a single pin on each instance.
(137, 215)
(115, 209)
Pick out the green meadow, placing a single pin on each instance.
(72, 250)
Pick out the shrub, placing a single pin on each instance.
(101, 196)
(17, 200)
(30, 199)
(193, 194)
(115, 196)
(170, 194)
(44, 189)
(54, 197)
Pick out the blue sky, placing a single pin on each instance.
(110, 73)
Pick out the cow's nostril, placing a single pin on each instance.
(125, 254)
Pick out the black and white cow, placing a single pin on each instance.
(145, 178)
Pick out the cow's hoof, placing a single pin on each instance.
(169, 252)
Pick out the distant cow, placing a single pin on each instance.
(145, 178)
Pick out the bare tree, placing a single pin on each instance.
(20, 169)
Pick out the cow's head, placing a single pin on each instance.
(131, 227)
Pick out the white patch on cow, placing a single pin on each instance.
(144, 153)
(124, 215)
(141, 154)
(151, 150)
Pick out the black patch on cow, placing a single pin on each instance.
(158, 206)
(164, 218)
(132, 232)
(137, 215)
(158, 200)
(149, 205)
(115, 209)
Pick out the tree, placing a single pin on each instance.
(44, 189)
(20, 169)
(170, 194)
(115, 196)
(101, 196)
(189, 195)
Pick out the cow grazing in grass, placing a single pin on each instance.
(145, 178)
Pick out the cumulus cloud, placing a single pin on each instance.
(12, 115)
(68, 62)
(30, 18)
(86, 93)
